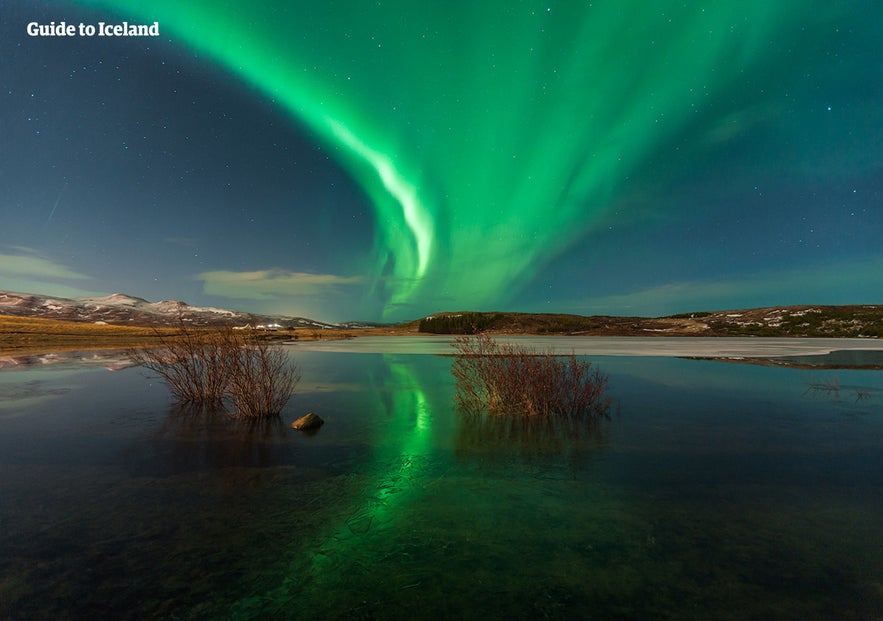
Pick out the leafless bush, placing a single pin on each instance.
(261, 379)
(193, 363)
(504, 378)
(211, 368)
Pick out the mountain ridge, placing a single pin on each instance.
(124, 309)
(858, 320)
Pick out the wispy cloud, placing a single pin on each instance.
(25, 262)
(271, 284)
(25, 270)
(846, 282)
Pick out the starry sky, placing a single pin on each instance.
(386, 159)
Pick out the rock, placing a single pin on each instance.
(307, 422)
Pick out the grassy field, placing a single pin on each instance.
(23, 335)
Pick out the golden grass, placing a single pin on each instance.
(20, 334)
(32, 335)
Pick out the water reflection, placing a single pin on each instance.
(193, 439)
(359, 532)
(112, 360)
(15, 399)
(402, 439)
(713, 483)
(488, 437)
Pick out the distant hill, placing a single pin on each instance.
(783, 321)
(122, 309)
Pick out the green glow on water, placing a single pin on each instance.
(389, 483)
(708, 485)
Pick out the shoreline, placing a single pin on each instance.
(807, 353)
(26, 340)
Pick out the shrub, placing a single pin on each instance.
(212, 368)
(261, 379)
(192, 363)
(504, 378)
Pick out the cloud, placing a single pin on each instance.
(271, 284)
(24, 270)
(27, 263)
(844, 282)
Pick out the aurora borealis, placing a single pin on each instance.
(604, 157)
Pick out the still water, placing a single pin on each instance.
(714, 490)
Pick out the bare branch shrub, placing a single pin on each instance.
(193, 363)
(504, 378)
(262, 378)
(211, 368)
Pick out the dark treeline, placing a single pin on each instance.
(460, 323)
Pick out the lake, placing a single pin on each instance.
(714, 490)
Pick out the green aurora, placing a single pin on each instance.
(492, 136)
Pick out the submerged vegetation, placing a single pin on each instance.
(503, 378)
(564, 439)
(831, 388)
(213, 368)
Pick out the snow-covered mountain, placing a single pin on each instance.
(122, 309)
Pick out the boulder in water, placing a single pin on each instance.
(308, 422)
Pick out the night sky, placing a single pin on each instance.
(384, 160)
